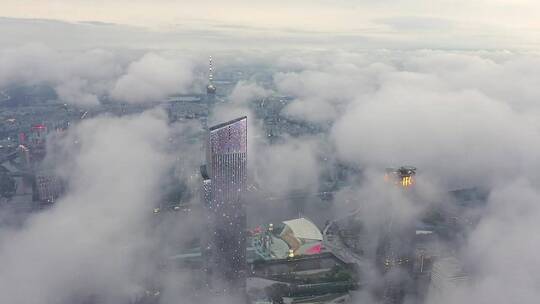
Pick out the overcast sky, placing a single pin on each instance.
(508, 24)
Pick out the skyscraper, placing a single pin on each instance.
(48, 188)
(223, 191)
(37, 142)
(448, 278)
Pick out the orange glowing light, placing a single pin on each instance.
(401, 177)
(407, 181)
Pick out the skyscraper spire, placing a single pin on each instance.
(210, 76)
(210, 88)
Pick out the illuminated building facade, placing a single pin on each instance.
(223, 190)
(394, 253)
(402, 176)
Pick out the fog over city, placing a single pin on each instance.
(335, 108)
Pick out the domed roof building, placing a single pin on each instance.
(296, 237)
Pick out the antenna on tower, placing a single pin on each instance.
(210, 89)
(210, 70)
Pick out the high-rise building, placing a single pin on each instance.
(448, 278)
(24, 156)
(402, 176)
(393, 257)
(38, 134)
(22, 138)
(224, 186)
(37, 142)
(48, 188)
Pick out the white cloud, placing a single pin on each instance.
(94, 241)
(245, 92)
(463, 118)
(84, 77)
(152, 78)
(73, 92)
(78, 77)
(288, 166)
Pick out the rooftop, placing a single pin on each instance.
(224, 124)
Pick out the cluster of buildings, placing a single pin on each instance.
(35, 186)
(292, 261)
(269, 263)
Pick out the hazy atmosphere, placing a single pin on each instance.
(269, 152)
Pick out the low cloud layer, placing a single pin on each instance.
(79, 78)
(153, 78)
(94, 243)
(451, 114)
(463, 118)
(86, 78)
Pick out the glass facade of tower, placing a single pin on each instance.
(226, 170)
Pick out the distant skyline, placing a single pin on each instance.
(504, 24)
